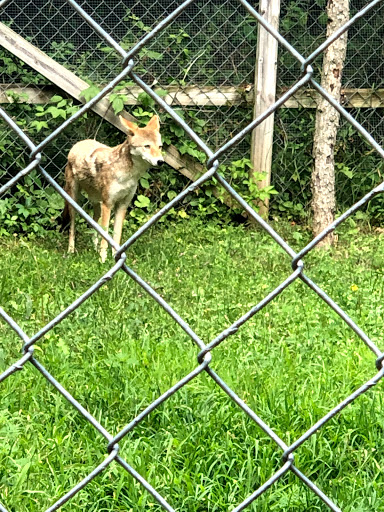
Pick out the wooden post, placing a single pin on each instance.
(265, 96)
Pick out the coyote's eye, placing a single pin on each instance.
(147, 146)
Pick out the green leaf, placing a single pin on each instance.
(142, 201)
(152, 54)
(144, 182)
(39, 125)
(56, 98)
(90, 92)
(57, 112)
(146, 100)
(171, 194)
(177, 130)
(118, 104)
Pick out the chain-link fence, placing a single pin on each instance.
(93, 28)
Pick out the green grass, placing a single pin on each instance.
(291, 363)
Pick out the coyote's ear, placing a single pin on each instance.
(129, 126)
(154, 123)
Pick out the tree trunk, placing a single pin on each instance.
(265, 96)
(327, 122)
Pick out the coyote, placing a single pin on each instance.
(110, 175)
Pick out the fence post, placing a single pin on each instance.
(264, 94)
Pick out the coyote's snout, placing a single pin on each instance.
(110, 175)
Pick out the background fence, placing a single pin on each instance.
(209, 52)
(219, 137)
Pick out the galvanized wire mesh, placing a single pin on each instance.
(127, 68)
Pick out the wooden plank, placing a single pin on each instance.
(349, 98)
(24, 94)
(265, 96)
(209, 96)
(183, 96)
(206, 96)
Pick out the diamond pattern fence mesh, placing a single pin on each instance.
(98, 34)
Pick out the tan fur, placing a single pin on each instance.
(110, 176)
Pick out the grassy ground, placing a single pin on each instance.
(291, 363)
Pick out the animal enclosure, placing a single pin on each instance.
(136, 72)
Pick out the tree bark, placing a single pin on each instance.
(327, 123)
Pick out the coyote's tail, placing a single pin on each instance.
(65, 218)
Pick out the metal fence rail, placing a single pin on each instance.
(206, 347)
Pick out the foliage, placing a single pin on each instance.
(30, 208)
(358, 167)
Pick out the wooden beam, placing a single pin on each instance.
(26, 94)
(350, 98)
(197, 96)
(182, 96)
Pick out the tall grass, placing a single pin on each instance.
(291, 363)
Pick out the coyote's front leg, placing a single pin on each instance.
(104, 222)
(96, 218)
